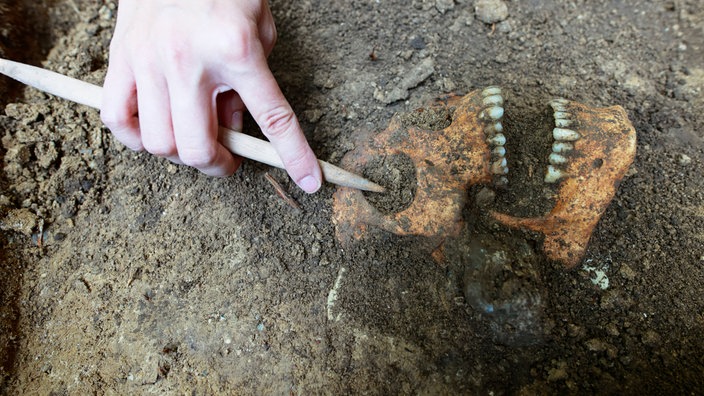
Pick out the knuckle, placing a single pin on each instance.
(113, 118)
(199, 158)
(278, 123)
(239, 47)
(158, 148)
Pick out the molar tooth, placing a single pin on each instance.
(562, 123)
(565, 134)
(553, 174)
(490, 91)
(557, 159)
(561, 101)
(498, 140)
(493, 100)
(562, 147)
(499, 151)
(562, 115)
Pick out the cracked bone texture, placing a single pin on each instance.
(595, 164)
(447, 162)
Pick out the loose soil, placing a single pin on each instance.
(121, 273)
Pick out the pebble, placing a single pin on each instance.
(444, 5)
(685, 160)
(491, 11)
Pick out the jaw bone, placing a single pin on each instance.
(447, 162)
(593, 149)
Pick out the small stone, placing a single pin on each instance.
(491, 11)
(685, 160)
(313, 115)
(19, 220)
(444, 5)
(627, 272)
(105, 13)
(651, 338)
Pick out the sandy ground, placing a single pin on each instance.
(124, 274)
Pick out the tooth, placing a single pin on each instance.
(557, 159)
(490, 91)
(495, 112)
(499, 167)
(493, 129)
(562, 115)
(499, 151)
(560, 101)
(493, 100)
(498, 140)
(558, 107)
(565, 134)
(553, 174)
(562, 123)
(562, 147)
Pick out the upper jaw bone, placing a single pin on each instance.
(588, 160)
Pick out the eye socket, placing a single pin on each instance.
(398, 174)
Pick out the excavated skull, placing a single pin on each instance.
(592, 151)
(447, 162)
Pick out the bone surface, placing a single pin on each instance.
(447, 162)
(587, 172)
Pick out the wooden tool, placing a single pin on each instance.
(244, 145)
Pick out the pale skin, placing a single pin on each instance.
(178, 68)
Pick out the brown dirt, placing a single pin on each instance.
(130, 275)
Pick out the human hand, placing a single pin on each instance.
(178, 68)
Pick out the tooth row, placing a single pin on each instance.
(493, 112)
(564, 140)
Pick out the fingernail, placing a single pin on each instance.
(309, 184)
(237, 121)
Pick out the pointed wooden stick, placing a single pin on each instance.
(244, 145)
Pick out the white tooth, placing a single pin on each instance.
(565, 134)
(562, 115)
(498, 127)
(493, 100)
(490, 91)
(495, 112)
(557, 159)
(553, 174)
(559, 102)
(558, 106)
(499, 151)
(562, 123)
(499, 167)
(562, 147)
(498, 140)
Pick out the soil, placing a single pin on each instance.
(124, 274)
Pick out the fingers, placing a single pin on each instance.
(155, 115)
(264, 100)
(119, 106)
(195, 128)
(230, 110)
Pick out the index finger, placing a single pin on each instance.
(267, 105)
